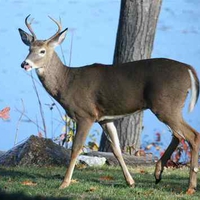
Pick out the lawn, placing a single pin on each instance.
(92, 183)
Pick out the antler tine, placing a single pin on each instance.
(59, 28)
(29, 27)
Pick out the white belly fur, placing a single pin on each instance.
(116, 116)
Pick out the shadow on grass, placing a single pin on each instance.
(11, 172)
(22, 196)
(170, 183)
(15, 172)
(175, 183)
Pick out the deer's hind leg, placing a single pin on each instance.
(165, 157)
(181, 130)
(193, 138)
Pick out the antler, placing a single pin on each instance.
(59, 28)
(29, 27)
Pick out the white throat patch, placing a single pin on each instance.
(40, 71)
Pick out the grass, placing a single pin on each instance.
(93, 183)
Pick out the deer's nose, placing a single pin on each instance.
(23, 64)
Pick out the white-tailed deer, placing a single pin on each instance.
(101, 93)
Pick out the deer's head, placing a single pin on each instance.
(40, 51)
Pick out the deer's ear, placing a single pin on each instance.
(58, 39)
(27, 39)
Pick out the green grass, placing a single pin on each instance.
(93, 183)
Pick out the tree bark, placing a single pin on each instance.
(135, 37)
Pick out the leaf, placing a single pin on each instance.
(4, 114)
(158, 148)
(142, 171)
(93, 146)
(29, 183)
(140, 152)
(91, 189)
(184, 144)
(64, 118)
(106, 178)
(74, 181)
(171, 164)
(148, 147)
(177, 156)
(81, 166)
(70, 136)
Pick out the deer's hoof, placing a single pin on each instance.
(131, 183)
(191, 191)
(158, 175)
(158, 180)
(63, 185)
(158, 172)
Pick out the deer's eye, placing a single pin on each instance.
(42, 52)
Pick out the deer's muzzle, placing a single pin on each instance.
(25, 65)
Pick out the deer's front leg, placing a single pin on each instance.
(111, 132)
(83, 128)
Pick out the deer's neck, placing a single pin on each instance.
(54, 77)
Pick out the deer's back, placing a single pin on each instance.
(131, 86)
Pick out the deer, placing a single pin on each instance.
(100, 93)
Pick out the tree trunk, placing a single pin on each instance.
(135, 36)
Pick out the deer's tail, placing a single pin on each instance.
(194, 88)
